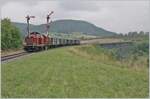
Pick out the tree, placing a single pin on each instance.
(141, 33)
(10, 35)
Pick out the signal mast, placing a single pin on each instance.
(48, 18)
(28, 18)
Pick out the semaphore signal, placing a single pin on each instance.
(48, 18)
(28, 18)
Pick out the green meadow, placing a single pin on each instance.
(83, 71)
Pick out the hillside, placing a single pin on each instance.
(72, 72)
(68, 27)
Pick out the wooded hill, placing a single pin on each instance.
(67, 26)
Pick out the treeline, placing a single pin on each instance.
(134, 34)
(10, 35)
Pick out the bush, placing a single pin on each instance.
(135, 54)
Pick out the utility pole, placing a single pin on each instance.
(48, 18)
(28, 18)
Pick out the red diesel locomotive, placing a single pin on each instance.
(36, 41)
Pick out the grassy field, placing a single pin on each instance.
(79, 71)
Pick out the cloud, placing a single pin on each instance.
(78, 5)
(27, 2)
(117, 16)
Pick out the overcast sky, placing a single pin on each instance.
(117, 16)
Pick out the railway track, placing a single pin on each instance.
(12, 56)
